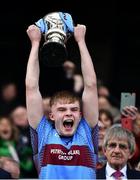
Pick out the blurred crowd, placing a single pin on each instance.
(109, 115)
(15, 146)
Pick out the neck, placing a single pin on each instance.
(117, 167)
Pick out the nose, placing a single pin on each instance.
(117, 149)
(68, 112)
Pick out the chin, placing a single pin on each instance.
(67, 134)
(117, 164)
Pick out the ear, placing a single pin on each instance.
(104, 150)
(51, 116)
(131, 155)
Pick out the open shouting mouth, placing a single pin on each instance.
(68, 124)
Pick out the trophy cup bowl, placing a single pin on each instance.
(54, 52)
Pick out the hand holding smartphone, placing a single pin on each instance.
(127, 100)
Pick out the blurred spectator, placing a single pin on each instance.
(9, 91)
(118, 147)
(103, 91)
(104, 103)
(78, 84)
(105, 121)
(101, 157)
(8, 139)
(9, 160)
(71, 74)
(106, 117)
(10, 166)
(19, 117)
(134, 113)
(69, 68)
(9, 98)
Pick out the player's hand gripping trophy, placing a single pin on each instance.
(56, 28)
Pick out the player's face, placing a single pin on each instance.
(66, 117)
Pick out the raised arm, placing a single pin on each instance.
(90, 96)
(33, 96)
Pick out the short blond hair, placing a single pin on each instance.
(65, 97)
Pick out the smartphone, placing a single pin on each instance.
(127, 99)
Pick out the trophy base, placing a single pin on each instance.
(53, 54)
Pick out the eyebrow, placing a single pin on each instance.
(63, 107)
(121, 145)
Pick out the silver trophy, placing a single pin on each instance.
(57, 28)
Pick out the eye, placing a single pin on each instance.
(112, 145)
(123, 146)
(61, 109)
(74, 109)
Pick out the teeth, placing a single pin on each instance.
(68, 123)
(68, 120)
